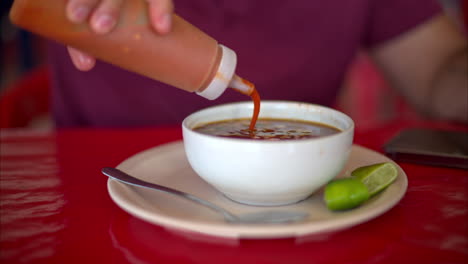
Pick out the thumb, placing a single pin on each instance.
(81, 60)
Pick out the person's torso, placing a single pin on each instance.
(291, 50)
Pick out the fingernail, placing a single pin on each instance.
(103, 23)
(164, 23)
(79, 14)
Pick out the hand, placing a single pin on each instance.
(102, 15)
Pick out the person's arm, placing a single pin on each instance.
(429, 65)
(102, 16)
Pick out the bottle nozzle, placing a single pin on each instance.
(241, 85)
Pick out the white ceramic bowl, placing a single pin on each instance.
(268, 173)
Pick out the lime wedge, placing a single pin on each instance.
(346, 193)
(377, 176)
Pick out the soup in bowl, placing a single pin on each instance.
(295, 149)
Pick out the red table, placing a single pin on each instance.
(55, 209)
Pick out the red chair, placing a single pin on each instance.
(369, 100)
(26, 99)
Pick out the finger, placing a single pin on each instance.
(78, 11)
(81, 60)
(160, 12)
(106, 15)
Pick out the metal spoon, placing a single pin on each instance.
(262, 217)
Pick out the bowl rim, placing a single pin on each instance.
(350, 129)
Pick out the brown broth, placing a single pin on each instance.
(267, 129)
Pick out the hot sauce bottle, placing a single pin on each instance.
(185, 58)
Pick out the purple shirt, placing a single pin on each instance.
(291, 50)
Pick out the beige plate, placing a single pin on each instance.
(167, 165)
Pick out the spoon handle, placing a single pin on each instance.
(121, 176)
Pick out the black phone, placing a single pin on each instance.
(430, 147)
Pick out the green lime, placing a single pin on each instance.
(377, 176)
(346, 193)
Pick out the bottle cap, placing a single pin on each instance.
(223, 76)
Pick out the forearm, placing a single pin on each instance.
(428, 65)
(448, 94)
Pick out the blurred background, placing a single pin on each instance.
(24, 93)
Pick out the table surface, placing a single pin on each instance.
(55, 208)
